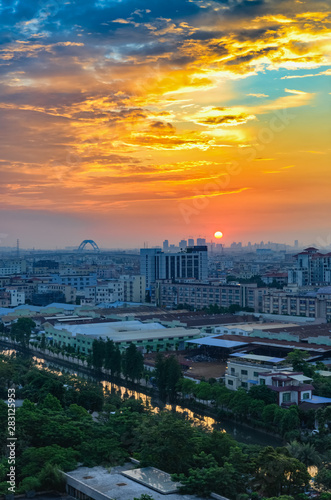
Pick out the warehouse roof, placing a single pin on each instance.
(211, 341)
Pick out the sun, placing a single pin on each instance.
(218, 234)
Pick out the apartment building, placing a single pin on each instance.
(311, 268)
(134, 288)
(68, 291)
(313, 304)
(12, 266)
(78, 281)
(198, 294)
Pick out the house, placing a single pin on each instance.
(291, 387)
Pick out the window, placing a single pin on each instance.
(244, 372)
(286, 397)
(244, 385)
(232, 370)
(262, 381)
(256, 374)
(305, 395)
(230, 382)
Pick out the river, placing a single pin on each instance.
(241, 433)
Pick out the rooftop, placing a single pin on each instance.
(125, 483)
(217, 342)
(123, 331)
(277, 343)
(256, 357)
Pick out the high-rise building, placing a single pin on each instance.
(182, 244)
(166, 245)
(201, 241)
(156, 265)
(311, 268)
(190, 242)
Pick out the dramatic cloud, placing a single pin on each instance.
(108, 107)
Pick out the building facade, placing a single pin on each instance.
(311, 268)
(190, 263)
(166, 293)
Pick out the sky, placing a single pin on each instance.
(137, 121)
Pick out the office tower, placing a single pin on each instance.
(157, 265)
(201, 242)
(190, 242)
(166, 245)
(182, 244)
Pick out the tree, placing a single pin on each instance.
(98, 353)
(323, 479)
(173, 375)
(263, 393)
(290, 420)
(161, 376)
(51, 477)
(21, 330)
(34, 459)
(280, 474)
(233, 308)
(51, 403)
(186, 386)
(298, 360)
(203, 391)
(305, 452)
(269, 412)
(113, 358)
(167, 374)
(133, 363)
(167, 442)
(90, 397)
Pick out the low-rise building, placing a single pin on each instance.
(78, 281)
(291, 387)
(243, 370)
(248, 370)
(146, 336)
(68, 291)
(12, 266)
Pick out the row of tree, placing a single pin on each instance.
(107, 354)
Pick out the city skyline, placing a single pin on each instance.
(127, 122)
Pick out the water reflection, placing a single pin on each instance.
(240, 432)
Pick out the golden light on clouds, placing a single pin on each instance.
(118, 110)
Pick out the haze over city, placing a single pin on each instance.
(128, 122)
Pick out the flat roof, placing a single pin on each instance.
(317, 400)
(153, 478)
(98, 482)
(123, 331)
(301, 378)
(109, 327)
(276, 343)
(249, 327)
(257, 357)
(210, 341)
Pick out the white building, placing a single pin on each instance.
(17, 298)
(13, 266)
(291, 387)
(243, 370)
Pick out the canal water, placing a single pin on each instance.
(240, 432)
